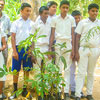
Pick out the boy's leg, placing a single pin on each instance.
(27, 67)
(72, 79)
(16, 65)
(67, 76)
(90, 73)
(72, 76)
(82, 69)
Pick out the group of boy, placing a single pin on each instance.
(59, 29)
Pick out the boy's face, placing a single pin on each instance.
(93, 13)
(77, 18)
(26, 12)
(1, 5)
(52, 10)
(45, 14)
(64, 9)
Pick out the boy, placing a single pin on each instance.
(77, 16)
(5, 25)
(20, 30)
(2, 47)
(52, 6)
(44, 29)
(88, 52)
(62, 27)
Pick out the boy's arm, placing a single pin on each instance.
(9, 26)
(52, 37)
(73, 42)
(3, 44)
(13, 41)
(77, 42)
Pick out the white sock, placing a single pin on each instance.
(0, 95)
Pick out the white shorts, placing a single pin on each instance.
(1, 66)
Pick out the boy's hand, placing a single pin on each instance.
(77, 56)
(33, 59)
(49, 56)
(72, 55)
(1, 49)
(15, 55)
(29, 52)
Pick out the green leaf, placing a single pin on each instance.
(2, 72)
(63, 61)
(9, 69)
(67, 51)
(19, 92)
(5, 68)
(42, 36)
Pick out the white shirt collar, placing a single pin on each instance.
(41, 22)
(67, 16)
(21, 18)
(91, 21)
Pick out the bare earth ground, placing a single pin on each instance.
(9, 86)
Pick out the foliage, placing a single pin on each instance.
(12, 9)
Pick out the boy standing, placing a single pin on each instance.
(20, 30)
(89, 50)
(4, 19)
(77, 16)
(44, 29)
(62, 27)
(5, 26)
(2, 47)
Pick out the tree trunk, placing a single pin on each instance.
(35, 7)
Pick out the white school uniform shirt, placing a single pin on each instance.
(22, 29)
(5, 25)
(44, 29)
(83, 28)
(63, 27)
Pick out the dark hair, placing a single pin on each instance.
(24, 5)
(50, 3)
(76, 12)
(42, 9)
(93, 5)
(64, 2)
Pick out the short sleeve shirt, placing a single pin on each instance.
(63, 27)
(44, 29)
(22, 29)
(86, 27)
(5, 24)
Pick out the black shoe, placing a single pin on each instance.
(89, 97)
(66, 96)
(82, 95)
(77, 98)
(72, 96)
(27, 95)
(4, 96)
(12, 96)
